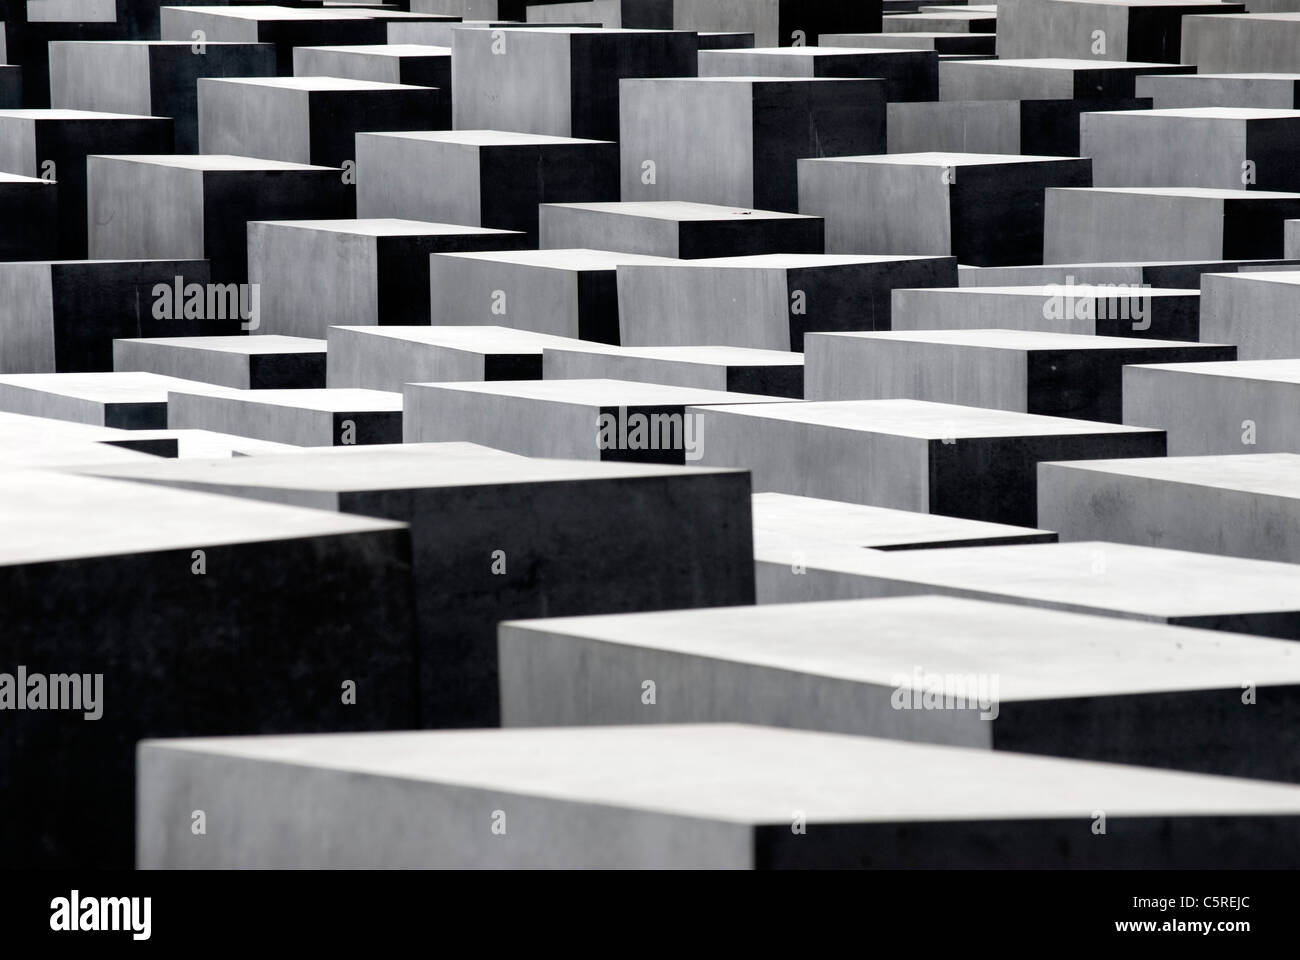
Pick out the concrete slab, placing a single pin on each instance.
(242, 363)
(388, 358)
(1260, 41)
(666, 228)
(974, 21)
(560, 81)
(908, 74)
(54, 145)
(315, 274)
(570, 293)
(248, 616)
(304, 418)
(1165, 223)
(149, 77)
(1268, 91)
(608, 420)
(126, 400)
(1120, 580)
(497, 536)
(417, 64)
(1102, 309)
(485, 178)
(61, 316)
(702, 796)
(984, 209)
(151, 207)
(737, 139)
(928, 669)
(1256, 310)
(1218, 408)
(775, 373)
(961, 44)
(908, 454)
(1047, 78)
(1247, 505)
(1053, 374)
(1181, 274)
(766, 301)
(1139, 30)
(308, 119)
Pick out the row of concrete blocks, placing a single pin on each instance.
(427, 489)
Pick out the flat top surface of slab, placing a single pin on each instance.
(921, 419)
(326, 399)
(1280, 371)
(569, 258)
(602, 393)
(746, 774)
(943, 159)
(472, 338)
(118, 386)
(19, 178)
(1267, 276)
(1215, 113)
(66, 113)
(709, 355)
(41, 525)
(482, 138)
(388, 227)
(804, 52)
(800, 261)
(262, 343)
(1142, 581)
(384, 49)
(314, 84)
(1046, 290)
(1034, 653)
(679, 210)
(784, 515)
(1268, 474)
(999, 339)
(210, 162)
(410, 466)
(1204, 193)
(1066, 63)
(272, 12)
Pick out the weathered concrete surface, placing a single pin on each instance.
(1256, 311)
(776, 373)
(1135, 30)
(1245, 505)
(1255, 42)
(706, 796)
(1047, 78)
(908, 74)
(241, 363)
(126, 400)
(305, 418)
(1264, 91)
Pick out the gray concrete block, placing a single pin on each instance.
(1243, 42)
(774, 373)
(737, 140)
(484, 178)
(1106, 310)
(999, 677)
(984, 209)
(961, 44)
(285, 27)
(307, 119)
(304, 418)
(794, 525)
(421, 65)
(1046, 79)
(908, 74)
(1224, 147)
(1120, 580)
(126, 400)
(908, 454)
(314, 274)
(497, 536)
(388, 358)
(607, 420)
(242, 363)
(779, 22)
(1218, 408)
(1053, 374)
(669, 228)
(685, 796)
(1180, 274)
(1263, 91)
(41, 443)
(1034, 127)
(288, 604)
(54, 144)
(29, 217)
(1164, 223)
(1137, 30)
(149, 77)
(726, 40)
(767, 301)
(1245, 505)
(564, 293)
(62, 316)
(154, 207)
(953, 20)
(1256, 311)
(560, 81)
